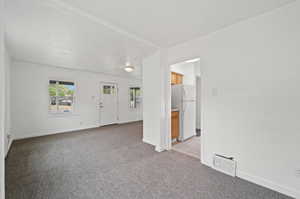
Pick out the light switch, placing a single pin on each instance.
(214, 92)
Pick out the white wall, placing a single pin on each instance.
(2, 101)
(186, 69)
(250, 96)
(156, 104)
(198, 102)
(7, 63)
(29, 100)
(198, 94)
(152, 100)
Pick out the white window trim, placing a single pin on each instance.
(141, 95)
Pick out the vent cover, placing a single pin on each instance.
(224, 164)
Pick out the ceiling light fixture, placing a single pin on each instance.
(192, 60)
(129, 69)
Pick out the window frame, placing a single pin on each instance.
(57, 113)
(138, 105)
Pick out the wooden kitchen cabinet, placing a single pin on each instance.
(176, 78)
(175, 125)
(173, 78)
(179, 78)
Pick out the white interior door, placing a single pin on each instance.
(108, 103)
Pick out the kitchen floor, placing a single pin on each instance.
(189, 147)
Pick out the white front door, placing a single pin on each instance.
(108, 103)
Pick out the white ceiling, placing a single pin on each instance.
(169, 22)
(44, 32)
(101, 35)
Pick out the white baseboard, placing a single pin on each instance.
(159, 148)
(263, 182)
(147, 142)
(129, 121)
(38, 134)
(9, 145)
(52, 132)
(269, 184)
(205, 162)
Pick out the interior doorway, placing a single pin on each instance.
(185, 107)
(108, 105)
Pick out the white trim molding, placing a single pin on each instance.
(147, 142)
(40, 134)
(269, 184)
(129, 121)
(262, 182)
(159, 148)
(9, 146)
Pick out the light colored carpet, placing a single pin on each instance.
(189, 147)
(113, 163)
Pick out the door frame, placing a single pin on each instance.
(100, 97)
(168, 109)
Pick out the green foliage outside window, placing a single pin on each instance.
(135, 97)
(61, 96)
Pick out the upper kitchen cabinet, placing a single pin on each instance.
(176, 78)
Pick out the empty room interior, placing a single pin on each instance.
(193, 99)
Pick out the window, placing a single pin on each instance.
(61, 96)
(135, 97)
(108, 89)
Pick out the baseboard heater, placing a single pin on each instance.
(224, 164)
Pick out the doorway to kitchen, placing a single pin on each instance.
(108, 105)
(185, 107)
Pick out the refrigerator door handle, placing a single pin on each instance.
(184, 104)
